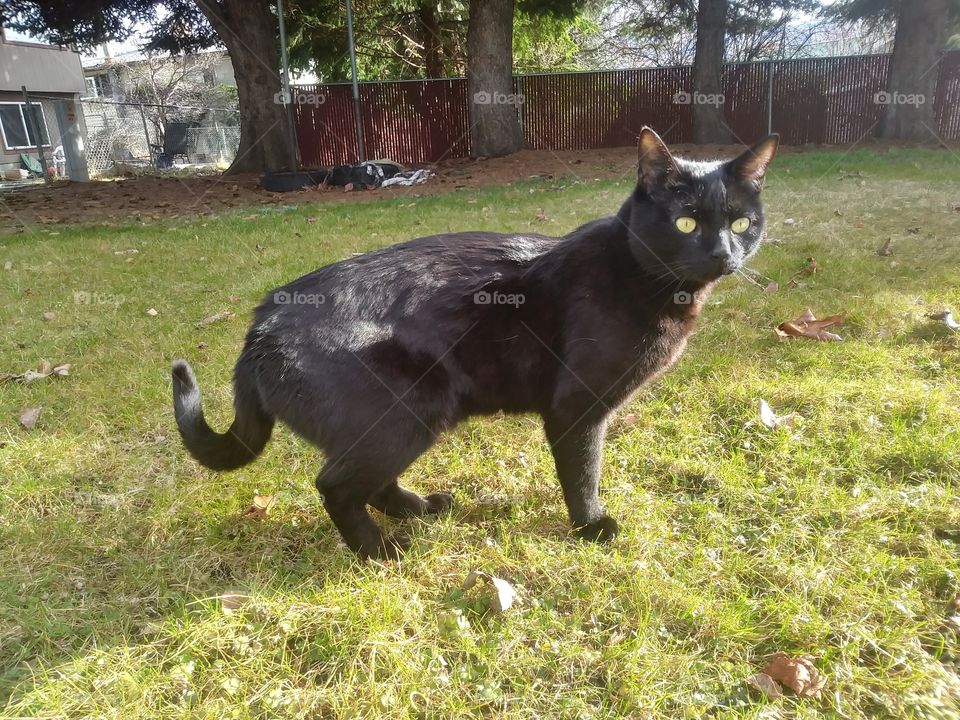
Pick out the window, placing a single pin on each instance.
(17, 129)
(91, 87)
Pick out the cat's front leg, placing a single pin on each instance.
(577, 444)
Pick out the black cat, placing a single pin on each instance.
(373, 357)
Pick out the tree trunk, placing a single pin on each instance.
(248, 31)
(912, 80)
(707, 97)
(431, 38)
(494, 123)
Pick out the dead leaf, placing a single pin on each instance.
(946, 317)
(810, 269)
(8, 265)
(765, 684)
(258, 509)
(789, 221)
(217, 317)
(152, 312)
(769, 418)
(808, 326)
(504, 595)
(44, 370)
(886, 250)
(231, 602)
(348, 187)
(772, 288)
(129, 251)
(29, 417)
(541, 215)
(49, 316)
(798, 674)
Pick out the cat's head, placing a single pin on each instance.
(696, 221)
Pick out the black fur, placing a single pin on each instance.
(372, 358)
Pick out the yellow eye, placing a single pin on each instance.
(740, 225)
(686, 224)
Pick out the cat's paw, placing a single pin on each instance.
(391, 547)
(603, 530)
(439, 502)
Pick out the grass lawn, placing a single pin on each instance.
(132, 587)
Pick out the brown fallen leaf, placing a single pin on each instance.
(217, 317)
(29, 417)
(504, 595)
(49, 316)
(541, 215)
(44, 370)
(258, 509)
(798, 674)
(230, 602)
(765, 684)
(946, 317)
(772, 287)
(810, 269)
(348, 187)
(886, 250)
(807, 326)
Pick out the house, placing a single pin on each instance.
(106, 76)
(143, 108)
(54, 78)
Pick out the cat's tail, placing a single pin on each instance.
(239, 445)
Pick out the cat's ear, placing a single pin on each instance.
(751, 165)
(656, 165)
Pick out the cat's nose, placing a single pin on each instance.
(721, 253)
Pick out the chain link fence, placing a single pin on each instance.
(121, 137)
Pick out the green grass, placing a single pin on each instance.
(837, 539)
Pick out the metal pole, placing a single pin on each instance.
(292, 160)
(361, 150)
(35, 124)
(146, 133)
(770, 67)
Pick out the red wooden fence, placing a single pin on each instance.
(817, 100)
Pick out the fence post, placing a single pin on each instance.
(146, 132)
(770, 71)
(35, 124)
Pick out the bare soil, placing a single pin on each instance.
(148, 198)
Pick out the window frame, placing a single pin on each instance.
(26, 128)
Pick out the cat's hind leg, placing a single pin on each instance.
(399, 502)
(366, 473)
(347, 484)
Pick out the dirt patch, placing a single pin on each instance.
(149, 198)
